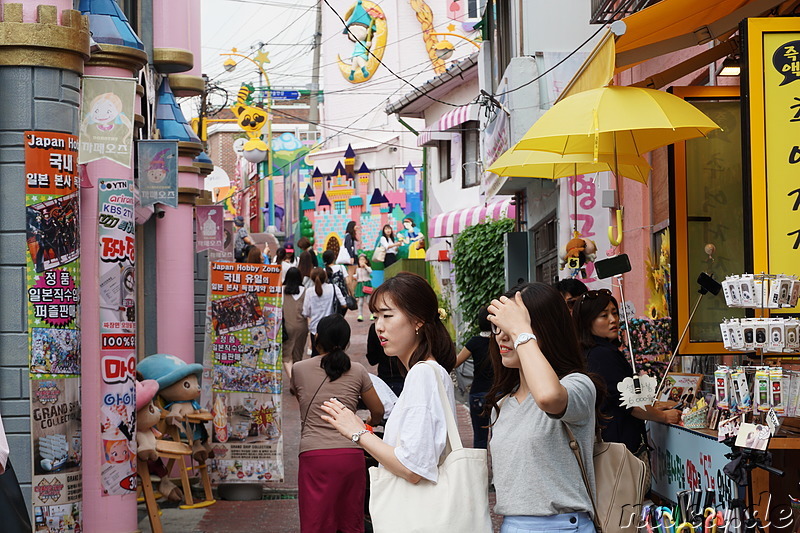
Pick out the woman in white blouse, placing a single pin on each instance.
(390, 244)
(409, 327)
(319, 303)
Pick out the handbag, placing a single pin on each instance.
(621, 485)
(379, 254)
(344, 257)
(367, 289)
(459, 501)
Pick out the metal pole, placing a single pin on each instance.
(677, 347)
(313, 111)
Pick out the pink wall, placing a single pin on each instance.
(110, 514)
(29, 8)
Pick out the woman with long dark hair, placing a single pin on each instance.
(331, 479)
(596, 317)
(294, 323)
(305, 263)
(350, 244)
(337, 276)
(541, 383)
(390, 244)
(410, 328)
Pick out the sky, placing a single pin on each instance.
(286, 27)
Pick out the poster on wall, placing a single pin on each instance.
(244, 365)
(117, 335)
(107, 120)
(54, 340)
(158, 172)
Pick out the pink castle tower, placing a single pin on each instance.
(317, 180)
(363, 180)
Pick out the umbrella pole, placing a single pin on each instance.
(637, 386)
(575, 197)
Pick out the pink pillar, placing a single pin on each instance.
(175, 263)
(107, 513)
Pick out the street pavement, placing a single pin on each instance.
(277, 512)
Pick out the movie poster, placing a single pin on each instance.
(158, 172)
(117, 335)
(54, 339)
(244, 358)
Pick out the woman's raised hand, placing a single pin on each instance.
(510, 315)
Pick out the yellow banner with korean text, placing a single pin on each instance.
(774, 112)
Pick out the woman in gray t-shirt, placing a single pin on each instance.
(540, 384)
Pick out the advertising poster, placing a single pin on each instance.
(245, 372)
(226, 252)
(53, 289)
(107, 120)
(210, 228)
(117, 335)
(158, 172)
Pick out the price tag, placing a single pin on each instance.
(628, 391)
(772, 421)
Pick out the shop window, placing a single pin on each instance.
(443, 155)
(470, 154)
(309, 136)
(709, 212)
(545, 242)
(475, 9)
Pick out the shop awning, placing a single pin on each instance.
(453, 222)
(665, 27)
(439, 130)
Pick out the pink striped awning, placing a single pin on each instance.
(458, 116)
(453, 222)
(430, 137)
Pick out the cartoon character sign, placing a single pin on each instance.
(413, 241)
(106, 127)
(366, 28)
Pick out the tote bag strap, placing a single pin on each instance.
(576, 451)
(453, 438)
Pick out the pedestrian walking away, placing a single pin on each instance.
(319, 301)
(295, 325)
(331, 480)
(478, 348)
(242, 242)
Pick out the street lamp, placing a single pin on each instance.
(254, 149)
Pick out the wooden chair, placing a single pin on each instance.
(176, 451)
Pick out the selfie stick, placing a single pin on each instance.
(637, 385)
(707, 284)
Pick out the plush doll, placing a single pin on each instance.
(577, 253)
(147, 416)
(179, 387)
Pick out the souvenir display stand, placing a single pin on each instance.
(750, 417)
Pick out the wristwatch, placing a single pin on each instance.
(357, 436)
(522, 338)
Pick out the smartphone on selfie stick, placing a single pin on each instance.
(615, 267)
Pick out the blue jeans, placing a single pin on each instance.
(575, 522)
(480, 423)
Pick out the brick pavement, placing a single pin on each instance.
(278, 512)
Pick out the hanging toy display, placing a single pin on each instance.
(576, 254)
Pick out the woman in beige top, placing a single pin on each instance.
(294, 323)
(332, 472)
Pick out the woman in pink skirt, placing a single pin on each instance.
(332, 474)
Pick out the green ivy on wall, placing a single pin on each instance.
(478, 262)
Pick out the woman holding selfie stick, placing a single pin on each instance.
(541, 384)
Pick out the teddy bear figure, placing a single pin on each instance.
(576, 254)
(179, 387)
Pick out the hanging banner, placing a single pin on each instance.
(107, 120)
(54, 341)
(244, 358)
(209, 229)
(157, 163)
(226, 253)
(117, 335)
(772, 114)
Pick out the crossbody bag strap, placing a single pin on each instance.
(576, 451)
(453, 438)
(311, 403)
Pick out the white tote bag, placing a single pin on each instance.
(458, 502)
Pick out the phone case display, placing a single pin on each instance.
(761, 291)
(771, 335)
(757, 389)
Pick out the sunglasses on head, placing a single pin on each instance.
(591, 295)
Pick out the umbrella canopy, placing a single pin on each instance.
(534, 164)
(616, 120)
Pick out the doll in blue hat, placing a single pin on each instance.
(179, 387)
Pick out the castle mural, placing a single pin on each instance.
(331, 201)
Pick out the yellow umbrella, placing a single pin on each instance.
(616, 120)
(535, 164)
